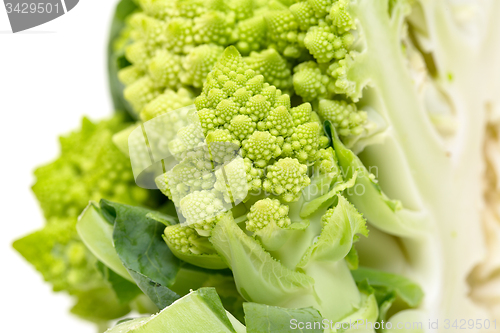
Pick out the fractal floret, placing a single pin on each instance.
(323, 165)
(90, 168)
(260, 192)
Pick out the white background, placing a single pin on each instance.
(50, 76)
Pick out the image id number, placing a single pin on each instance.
(470, 324)
(25, 8)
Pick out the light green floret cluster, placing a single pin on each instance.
(199, 206)
(174, 45)
(272, 66)
(268, 220)
(265, 212)
(344, 116)
(286, 178)
(271, 209)
(259, 187)
(256, 114)
(90, 168)
(168, 101)
(234, 103)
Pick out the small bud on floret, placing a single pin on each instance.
(232, 181)
(188, 245)
(194, 173)
(166, 102)
(179, 35)
(164, 69)
(230, 61)
(154, 33)
(212, 27)
(321, 7)
(188, 138)
(250, 34)
(137, 53)
(340, 17)
(256, 108)
(208, 120)
(200, 207)
(140, 93)
(283, 100)
(161, 183)
(222, 145)
(230, 87)
(186, 240)
(260, 148)
(241, 127)
(157, 9)
(253, 175)
(215, 96)
(342, 84)
(130, 74)
(301, 114)
(241, 96)
(201, 102)
(310, 82)
(280, 122)
(270, 93)
(327, 162)
(255, 84)
(344, 116)
(272, 66)
(226, 110)
(199, 63)
(286, 178)
(265, 212)
(283, 30)
(304, 142)
(304, 14)
(189, 9)
(242, 9)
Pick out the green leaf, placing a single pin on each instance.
(199, 311)
(97, 234)
(139, 243)
(125, 290)
(165, 219)
(136, 221)
(261, 318)
(116, 59)
(159, 294)
(407, 290)
(213, 301)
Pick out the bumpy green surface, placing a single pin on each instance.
(267, 211)
(300, 48)
(239, 111)
(90, 167)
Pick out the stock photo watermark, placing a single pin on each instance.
(26, 14)
(446, 324)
